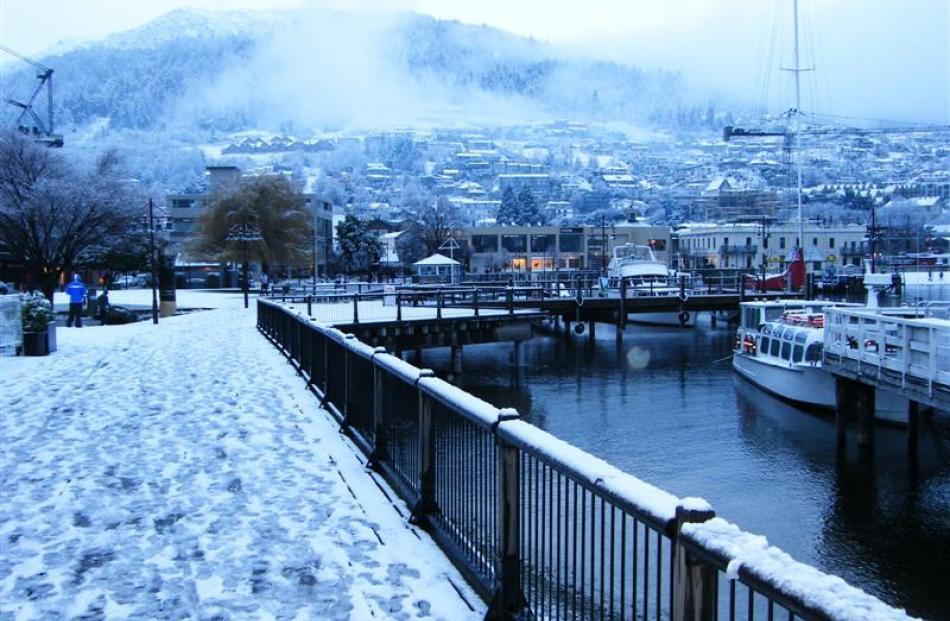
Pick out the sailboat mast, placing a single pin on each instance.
(795, 130)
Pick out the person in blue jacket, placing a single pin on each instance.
(77, 294)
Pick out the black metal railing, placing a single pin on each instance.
(540, 528)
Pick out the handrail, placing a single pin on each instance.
(479, 526)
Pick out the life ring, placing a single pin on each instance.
(578, 328)
(683, 296)
(683, 317)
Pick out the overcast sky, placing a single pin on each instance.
(883, 59)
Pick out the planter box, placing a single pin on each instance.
(35, 343)
(40, 343)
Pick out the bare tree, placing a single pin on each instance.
(437, 222)
(55, 218)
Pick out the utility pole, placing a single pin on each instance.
(152, 259)
(603, 244)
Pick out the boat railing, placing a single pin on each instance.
(540, 528)
(913, 349)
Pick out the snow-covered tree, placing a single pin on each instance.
(359, 249)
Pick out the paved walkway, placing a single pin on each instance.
(182, 471)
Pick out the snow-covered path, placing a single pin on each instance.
(182, 471)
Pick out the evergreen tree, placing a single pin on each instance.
(529, 213)
(359, 248)
(509, 210)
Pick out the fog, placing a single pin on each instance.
(329, 70)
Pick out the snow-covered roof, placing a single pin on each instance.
(437, 259)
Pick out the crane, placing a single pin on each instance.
(42, 132)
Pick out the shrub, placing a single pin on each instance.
(36, 313)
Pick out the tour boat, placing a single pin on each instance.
(636, 270)
(779, 347)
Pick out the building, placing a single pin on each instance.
(753, 244)
(184, 210)
(437, 268)
(538, 248)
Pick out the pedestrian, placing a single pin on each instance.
(77, 294)
(102, 306)
(264, 284)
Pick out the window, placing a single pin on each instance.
(570, 242)
(789, 333)
(781, 242)
(764, 344)
(816, 265)
(786, 350)
(765, 242)
(801, 337)
(797, 353)
(725, 241)
(485, 243)
(514, 243)
(748, 241)
(814, 241)
(542, 243)
(766, 329)
(775, 347)
(831, 242)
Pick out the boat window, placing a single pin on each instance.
(771, 314)
(797, 352)
(775, 346)
(813, 353)
(764, 345)
(801, 337)
(766, 329)
(789, 332)
(786, 350)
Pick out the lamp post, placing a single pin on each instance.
(152, 260)
(243, 232)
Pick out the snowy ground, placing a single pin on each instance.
(182, 471)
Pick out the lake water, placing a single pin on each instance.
(666, 406)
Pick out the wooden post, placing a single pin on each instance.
(475, 302)
(510, 294)
(310, 306)
(843, 404)
(694, 583)
(913, 427)
(426, 447)
(508, 601)
(398, 307)
(864, 403)
(438, 304)
(456, 360)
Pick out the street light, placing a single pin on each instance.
(152, 259)
(243, 232)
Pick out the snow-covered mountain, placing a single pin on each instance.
(308, 70)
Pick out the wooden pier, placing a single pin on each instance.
(893, 350)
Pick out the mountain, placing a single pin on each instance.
(307, 70)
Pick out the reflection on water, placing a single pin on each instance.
(666, 407)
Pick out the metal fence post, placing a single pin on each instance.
(348, 383)
(475, 302)
(379, 414)
(356, 308)
(398, 307)
(508, 601)
(309, 306)
(426, 447)
(510, 295)
(438, 304)
(694, 583)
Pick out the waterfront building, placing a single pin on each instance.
(538, 248)
(749, 245)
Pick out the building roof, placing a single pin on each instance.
(437, 259)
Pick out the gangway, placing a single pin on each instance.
(902, 350)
